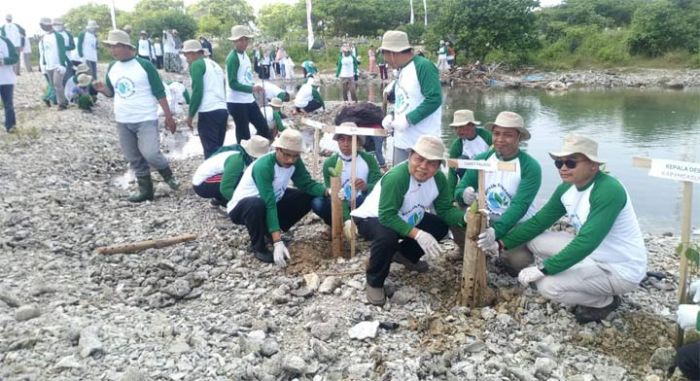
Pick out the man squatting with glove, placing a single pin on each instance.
(688, 317)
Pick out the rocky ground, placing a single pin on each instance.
(207, 310)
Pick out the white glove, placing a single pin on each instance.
(694, 291)
(428, 243)
(349, 229)
(687, 315)
(529, 275)
(386, 122)
(341, 194)
(487, 238)
(281, 254)
(61, 70)
(468, 196)
(400, 122)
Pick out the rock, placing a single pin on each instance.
(89, 342)
(544, 366)
(294, 364)
(663, 358)
(322, 351)
(583, 377)
(133, 374)
(612, 373)
(652, 377)
(178, 289)
(366, 329)
(27, 312)
(68, 362)
(329, 285)
(474, 346)
(179, 347)
(404, 295)
(324, 330)
(269, 347)
(360, 371)
(10, 299)
(312, 281)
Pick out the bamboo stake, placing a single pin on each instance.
(336, 218)
(317, 141)
(136, 247)
(353, 192)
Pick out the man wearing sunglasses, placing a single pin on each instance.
(606, 256)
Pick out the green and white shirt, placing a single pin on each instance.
(509, 195)
(234, 166)
(213, 166)
(52, 52)
(606, 227)
(268, 180)
(87, 46)
(366, 167)
(400, 201)
(137, 87)
(346, 66)
(239, 74)
(468, 149)
(9, 57)
(207, 87)
(418, 97)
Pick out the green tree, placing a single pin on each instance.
(154, 22)
(361, 17)
(147, 6)
(277, 20)
(662, 26)
(76, 18)
(216, 17)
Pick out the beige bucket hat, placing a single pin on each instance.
(360, 138)
(289, 139)
(256, 146)
(239, 31)
(45, 21)
(430, 147)
(395, 41)
(509, 119)
(578, 144)
(57, 21)
(192, 46)
(84, 80)
(462, 118)
(118, 37)
(82, 68)
(276, 102)
(92, 24)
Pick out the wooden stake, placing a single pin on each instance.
(474, 291)
(317, 140)
(336, 218)
(135, 247)
(353, 192)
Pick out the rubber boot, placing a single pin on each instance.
(169, 178)
(145, 190)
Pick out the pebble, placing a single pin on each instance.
(364, 330)
(663, 358)
(312, 281)
(329, 285)
(89, 343)
(294, 364)
(27, 312)
(269, 347)
(68, 362)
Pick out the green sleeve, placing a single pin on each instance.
(531, 179)
(263, 176)
(186, 95)
(394, 187)
(303, 181)
(317, 96)
(485, 134)
(277, 117)
(470, 178)
(374, 172)
(550, 213)
(71, 42)
(197, 70)
(355, 64)
(443, 203)
(338, 65)
(81, 39)
(108, 83)
(13, 57)
(608, 198)
(327, 165)
(157, 88)
(282, 95)
(455, 152)
(232, 66)
(429, 79)
(62, 57)
(233, 171)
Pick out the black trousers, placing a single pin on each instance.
(382, 72)
(159, 62)
(312, 106)
(244, 114)
(212, 130)
(251, 212)
(209, 190)
(385, 242)
(688, 360)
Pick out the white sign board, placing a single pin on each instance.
(675, 170)
(481, 165)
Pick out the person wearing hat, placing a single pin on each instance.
(137, 90)
(8, 78)
(218, 176)
(144, 48)
(53, 62)
(509, 195)
(308, 98)
(171, 56)
(240, 100)
(87, 46)
(418, 95)
(470, 142)
(397, 216)
(273, 91)
(273, 115)
(16, 34)
(688, 317)
(73, 89)
(68, 40)
(158, 51)
(309, 68)
(346, 70)
(208, 100)
(442, 57)
(368, 174)
(265, 204)
(605, 256)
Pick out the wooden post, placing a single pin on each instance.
(353, 192)
(135, 247)
(336, 218)
(317, 140)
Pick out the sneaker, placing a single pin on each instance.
(264, 256)
(588, 314)
(376, 295)
(420, 266)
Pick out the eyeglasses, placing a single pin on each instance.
(570, 163)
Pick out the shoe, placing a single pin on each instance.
(62, 107)
(376, 295)
(215, 203)
(588, 314)
(264, 256)
(169, 178)
(12, 130)
(145, 190)
(420, 266)
(47, 102)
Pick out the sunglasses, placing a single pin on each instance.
(570, 163)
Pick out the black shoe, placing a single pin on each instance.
(264, 256)
(62, 107)
(47, 102)
(588, 314)
(215, 203)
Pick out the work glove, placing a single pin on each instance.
(468, 196)
(280, 254)
(487, 242)
(529, 275)
(428, 243)
(400, 122)
(386, 122)
(694, 291)
(350, 230)
(341, 194)
(687, 315)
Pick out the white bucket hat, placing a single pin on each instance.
(462, 118)
(84, 80)
(430, 147)
(45, 21)
(92, 24)
(276, 102)
(82, 68)
(578, 144)
(239, 31)
(191, 46)
(509, 119)
(256, 146)
(57, 21)
(395, 41)
(289, 139)
(118, 37)
(360, 138)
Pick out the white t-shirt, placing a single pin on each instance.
(12, 33)
(347, 68)
(90, 47)
(214, 85)
(211, 167)
(7, 74)
(48, 52)
(134, 101)
(245, 77)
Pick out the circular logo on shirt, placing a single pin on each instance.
(414, 216)
(248, 75)
(402, 100)
(497, 199)
(124, 87)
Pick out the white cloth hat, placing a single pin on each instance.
(82, 68)
(84, 79)
(45, 21)
(191, 46)
(509, 119)
(578, 144)
(289, 139)
(92, 24)
(256, 146)
(116, 37)
(395, 41)
(276, 102)
(462, 118)
(430, 147)
(239, 31)
(57, 21)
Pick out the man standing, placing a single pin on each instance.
(346, 70)
(172, 59)
(8, 57)
(158, 51)
(207, 97)
(145, 51)
(53, 62)
(470, 142)
(418, 95)
(606, 256)
(137, 90)
(240, 100)
(15, 34)
(27, 54)
(265, 204)
(87, 46)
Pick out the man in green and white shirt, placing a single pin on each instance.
(240, 100)
(417, 95)
(265, 204)
(87, 46)
(208, 99)
(308, 99)
(470, 142)
(346, 70)
(53, 62)
(606, 256)
(398, 218)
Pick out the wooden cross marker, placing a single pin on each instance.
(474, 292)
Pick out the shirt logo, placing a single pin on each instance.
(497, 199)
(414, 216)
(125, 87)
(248, 75)
(403, 101)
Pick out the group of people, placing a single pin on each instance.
(446, 56)
(273, 62)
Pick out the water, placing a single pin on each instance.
(659, 124)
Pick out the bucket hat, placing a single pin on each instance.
(239, 31)
(430, 147)
(8, 17)
(462, 118)
(57, 21)
(256, 146)
(578, 144)
(45, 21)
(127, 28)
(118, 37)
(82, 68)
(276, 102)
(84, 79)
(92, 24)
(360, 138)
(395, 41)
(509, 119)
(191, 46)
(290, 140)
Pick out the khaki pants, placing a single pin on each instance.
(56, 78)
